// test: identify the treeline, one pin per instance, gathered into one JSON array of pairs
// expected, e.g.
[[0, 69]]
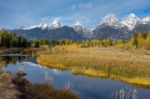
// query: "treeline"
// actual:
[[137, 41], [8, 40], [43, 41], [140, 40]]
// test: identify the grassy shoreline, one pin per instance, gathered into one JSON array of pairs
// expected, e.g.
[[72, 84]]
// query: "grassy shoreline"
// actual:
[[129, 66], [14, 86]]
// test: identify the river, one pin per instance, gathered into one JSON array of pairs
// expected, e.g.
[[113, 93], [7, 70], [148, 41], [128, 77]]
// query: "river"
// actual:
[[82, 85]]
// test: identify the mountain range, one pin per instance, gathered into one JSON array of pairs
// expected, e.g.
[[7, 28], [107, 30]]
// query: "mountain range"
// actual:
[[110, 27]]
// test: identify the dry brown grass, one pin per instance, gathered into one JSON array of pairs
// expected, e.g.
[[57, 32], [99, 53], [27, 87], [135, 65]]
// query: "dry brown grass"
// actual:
[[132, 66]]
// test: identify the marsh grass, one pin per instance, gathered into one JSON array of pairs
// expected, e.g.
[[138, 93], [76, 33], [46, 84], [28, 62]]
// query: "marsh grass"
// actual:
[[45, 91], [128, 65], [125, 94]]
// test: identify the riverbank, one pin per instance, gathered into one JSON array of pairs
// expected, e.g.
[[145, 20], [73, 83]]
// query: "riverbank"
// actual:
[[16, 87], [132, 66], [19, 50], [16, 51], [8, 90], [10, 50]]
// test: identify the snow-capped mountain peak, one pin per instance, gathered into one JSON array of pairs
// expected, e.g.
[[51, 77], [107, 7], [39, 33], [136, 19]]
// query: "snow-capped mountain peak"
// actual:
[[77, 24], [131, 21], [146, 19], [87, 33], [78, 27], [41, 25], [132, 15], [111, 20], [55, 24]]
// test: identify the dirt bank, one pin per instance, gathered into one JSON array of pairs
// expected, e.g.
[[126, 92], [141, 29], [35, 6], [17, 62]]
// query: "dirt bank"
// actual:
[[7, 89]]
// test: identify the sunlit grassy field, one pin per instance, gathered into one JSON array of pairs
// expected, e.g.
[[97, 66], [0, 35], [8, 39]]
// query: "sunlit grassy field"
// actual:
[[132, 66]]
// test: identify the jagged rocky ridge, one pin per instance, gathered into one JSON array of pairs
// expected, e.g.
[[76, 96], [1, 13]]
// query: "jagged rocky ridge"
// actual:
[[110, 27]]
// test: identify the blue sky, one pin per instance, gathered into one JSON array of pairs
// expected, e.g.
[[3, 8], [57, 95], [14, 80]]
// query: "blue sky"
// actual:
[[17, 13]]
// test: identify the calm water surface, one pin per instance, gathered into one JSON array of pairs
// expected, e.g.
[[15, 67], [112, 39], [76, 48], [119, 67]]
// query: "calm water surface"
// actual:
[[85, 87]]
